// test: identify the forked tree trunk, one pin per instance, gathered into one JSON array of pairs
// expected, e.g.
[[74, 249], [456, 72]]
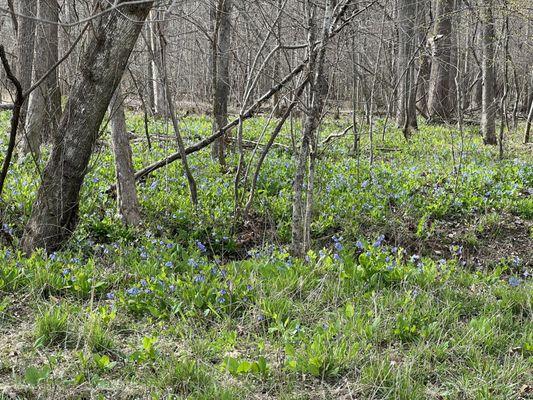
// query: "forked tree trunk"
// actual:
[[111, 40], [439, 101], [127, 201], [44, 109], [488, 104]]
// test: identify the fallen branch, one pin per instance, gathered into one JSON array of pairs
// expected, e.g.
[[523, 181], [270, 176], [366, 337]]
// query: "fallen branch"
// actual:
[[336, 135], [210, 139]]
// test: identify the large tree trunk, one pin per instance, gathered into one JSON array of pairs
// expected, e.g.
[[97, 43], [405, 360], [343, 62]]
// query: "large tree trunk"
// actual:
[[406, 112], [44, 109], [439, 101], [220, 65], [55, 211], [127, 201], [25, 46], [488, 104]]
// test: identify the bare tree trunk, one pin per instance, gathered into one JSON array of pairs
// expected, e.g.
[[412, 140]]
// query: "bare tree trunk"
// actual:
[[439, 101], [220, 64], [25, 46], [156, 29], [488, 105], [127, 201], [302, 208], [528, 123], [44, 109], [111, 40], [406, 112]]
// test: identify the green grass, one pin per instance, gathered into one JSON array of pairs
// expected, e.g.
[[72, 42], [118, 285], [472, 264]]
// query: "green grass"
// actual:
[[439, 308]]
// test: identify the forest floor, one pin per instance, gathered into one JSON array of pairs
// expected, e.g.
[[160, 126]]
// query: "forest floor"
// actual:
[[418, 286]]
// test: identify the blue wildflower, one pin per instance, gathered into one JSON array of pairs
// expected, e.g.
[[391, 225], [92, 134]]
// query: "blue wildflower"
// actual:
[[169, 264], [514, 281], [201, 246], [133, 291], [110, 296], [199, 278], [360, 245]]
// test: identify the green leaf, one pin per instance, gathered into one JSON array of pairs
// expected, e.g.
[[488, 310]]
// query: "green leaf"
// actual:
[[349, 311]]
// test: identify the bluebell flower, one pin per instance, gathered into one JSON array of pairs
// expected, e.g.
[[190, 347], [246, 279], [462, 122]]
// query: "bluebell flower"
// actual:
[[221, 300], [53, 256], [96, 180], [201, 246], [249, 287], [379, 241], [336, 257], [338, 246], [169, 264], [223, 292], [110, 296], [143, 283], [360, 245], [144, 255], [147, 291], [172, 288], [65, 272], [133, 291], [514, 281], [364, 184], [199, 278], [193, 263]]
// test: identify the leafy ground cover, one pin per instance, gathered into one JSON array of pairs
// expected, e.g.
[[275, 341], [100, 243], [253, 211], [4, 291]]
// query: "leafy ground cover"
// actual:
[[418, 286]]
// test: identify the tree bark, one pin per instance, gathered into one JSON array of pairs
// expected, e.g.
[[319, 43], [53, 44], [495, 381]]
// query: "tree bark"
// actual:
[[406, 113], [220, 65], [302, 206], [439, 101], [44, 109], [25, 47], [111, 40], [528, 123], [127, 201], [160, 106], [488, 103]]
